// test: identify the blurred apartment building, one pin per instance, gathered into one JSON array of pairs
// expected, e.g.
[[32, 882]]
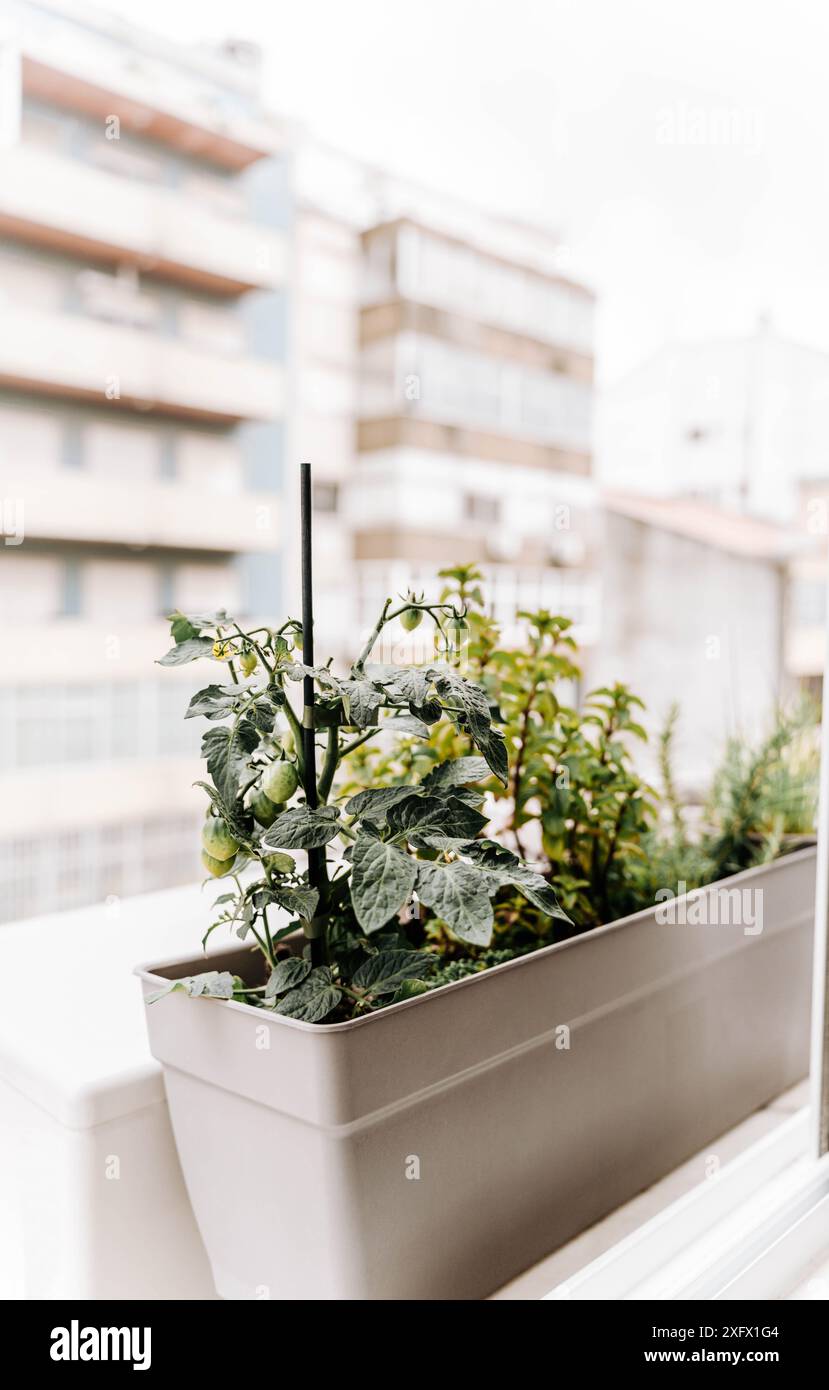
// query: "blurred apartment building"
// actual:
[[144, 216], [195, 297], [740, 425], [444, 390]]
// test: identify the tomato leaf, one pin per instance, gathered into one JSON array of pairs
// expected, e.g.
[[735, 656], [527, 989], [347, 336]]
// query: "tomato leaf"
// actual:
[[303, 827], [374, 802], [314, 999], [361, 701], [458, 893], [226, 751], [506, 868], [287, 974], [408, 683], [214, 702], [388, 970], [302, 902], [213, 984], [189, 650], [435, 822], [456, 772], [382, 880], [475, 716]]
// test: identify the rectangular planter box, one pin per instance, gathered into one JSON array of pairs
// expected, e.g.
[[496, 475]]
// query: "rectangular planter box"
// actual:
[[439, 1147]]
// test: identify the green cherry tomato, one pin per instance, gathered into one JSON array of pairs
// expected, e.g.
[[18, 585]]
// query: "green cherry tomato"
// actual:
[[410, 989], [280, 863], [410, 618], [217, 867], [279, 781], [264, 810], [217, 840], [458, 631], [248, 663]]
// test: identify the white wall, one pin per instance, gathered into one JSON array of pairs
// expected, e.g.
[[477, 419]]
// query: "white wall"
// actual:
[[739, 421], [683, 621]]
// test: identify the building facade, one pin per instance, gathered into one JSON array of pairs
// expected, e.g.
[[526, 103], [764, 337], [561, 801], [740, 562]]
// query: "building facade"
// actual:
[[195, 297], [458, 382], [144, 234], [743, 424], [693, 614]]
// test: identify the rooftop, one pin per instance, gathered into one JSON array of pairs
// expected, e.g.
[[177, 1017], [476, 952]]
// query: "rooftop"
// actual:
[[708, 524]]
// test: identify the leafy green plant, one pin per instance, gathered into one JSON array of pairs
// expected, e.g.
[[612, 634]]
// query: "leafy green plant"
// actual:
[[763, 795], [417, 837], [574, 802], [763, 802]]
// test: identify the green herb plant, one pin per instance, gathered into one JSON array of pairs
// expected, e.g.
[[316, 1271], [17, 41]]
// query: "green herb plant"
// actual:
[[574, 802]]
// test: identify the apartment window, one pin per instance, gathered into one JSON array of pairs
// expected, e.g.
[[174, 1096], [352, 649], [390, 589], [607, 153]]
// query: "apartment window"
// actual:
[[808, 602], [166, 588], [167, 459], [94, 723], [113, 156], [82, 866], [122, 453], [42, 129], [214, 327], [117, 298], [30, 284], [481, 509], [27, 438], [472, 388], [209, 462], [326, 496], [71, 591], [219, 195], [72, 445]]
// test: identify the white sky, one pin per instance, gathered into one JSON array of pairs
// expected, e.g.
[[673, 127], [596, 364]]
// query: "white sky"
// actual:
[[560, 110]]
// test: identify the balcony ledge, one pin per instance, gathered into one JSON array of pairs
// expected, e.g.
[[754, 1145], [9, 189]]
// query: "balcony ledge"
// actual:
[[84, 211], [70, 355]]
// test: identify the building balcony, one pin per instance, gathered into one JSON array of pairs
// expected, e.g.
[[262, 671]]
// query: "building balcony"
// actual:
[[84, 211], [99, 78], [71, 356], [92, 794], [69, 505], [72, 651]]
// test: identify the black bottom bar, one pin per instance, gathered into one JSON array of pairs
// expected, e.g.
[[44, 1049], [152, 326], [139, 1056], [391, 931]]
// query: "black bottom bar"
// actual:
[[235, 1337]]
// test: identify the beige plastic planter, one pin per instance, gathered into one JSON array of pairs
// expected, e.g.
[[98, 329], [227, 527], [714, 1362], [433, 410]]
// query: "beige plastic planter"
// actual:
[[437, 1148]]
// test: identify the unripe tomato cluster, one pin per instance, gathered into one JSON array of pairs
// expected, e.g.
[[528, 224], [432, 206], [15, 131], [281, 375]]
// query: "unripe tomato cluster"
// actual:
[[218, 846], [279, 782], [277, 785]]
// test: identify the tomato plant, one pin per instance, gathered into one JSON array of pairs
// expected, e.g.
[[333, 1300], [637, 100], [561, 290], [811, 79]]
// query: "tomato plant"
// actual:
[[394, 857]]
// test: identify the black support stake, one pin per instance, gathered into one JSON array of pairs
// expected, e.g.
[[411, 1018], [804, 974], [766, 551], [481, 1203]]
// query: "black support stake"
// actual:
[[316, 857]]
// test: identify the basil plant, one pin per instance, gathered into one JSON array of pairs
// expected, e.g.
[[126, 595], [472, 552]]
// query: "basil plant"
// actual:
[[405, 875]]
